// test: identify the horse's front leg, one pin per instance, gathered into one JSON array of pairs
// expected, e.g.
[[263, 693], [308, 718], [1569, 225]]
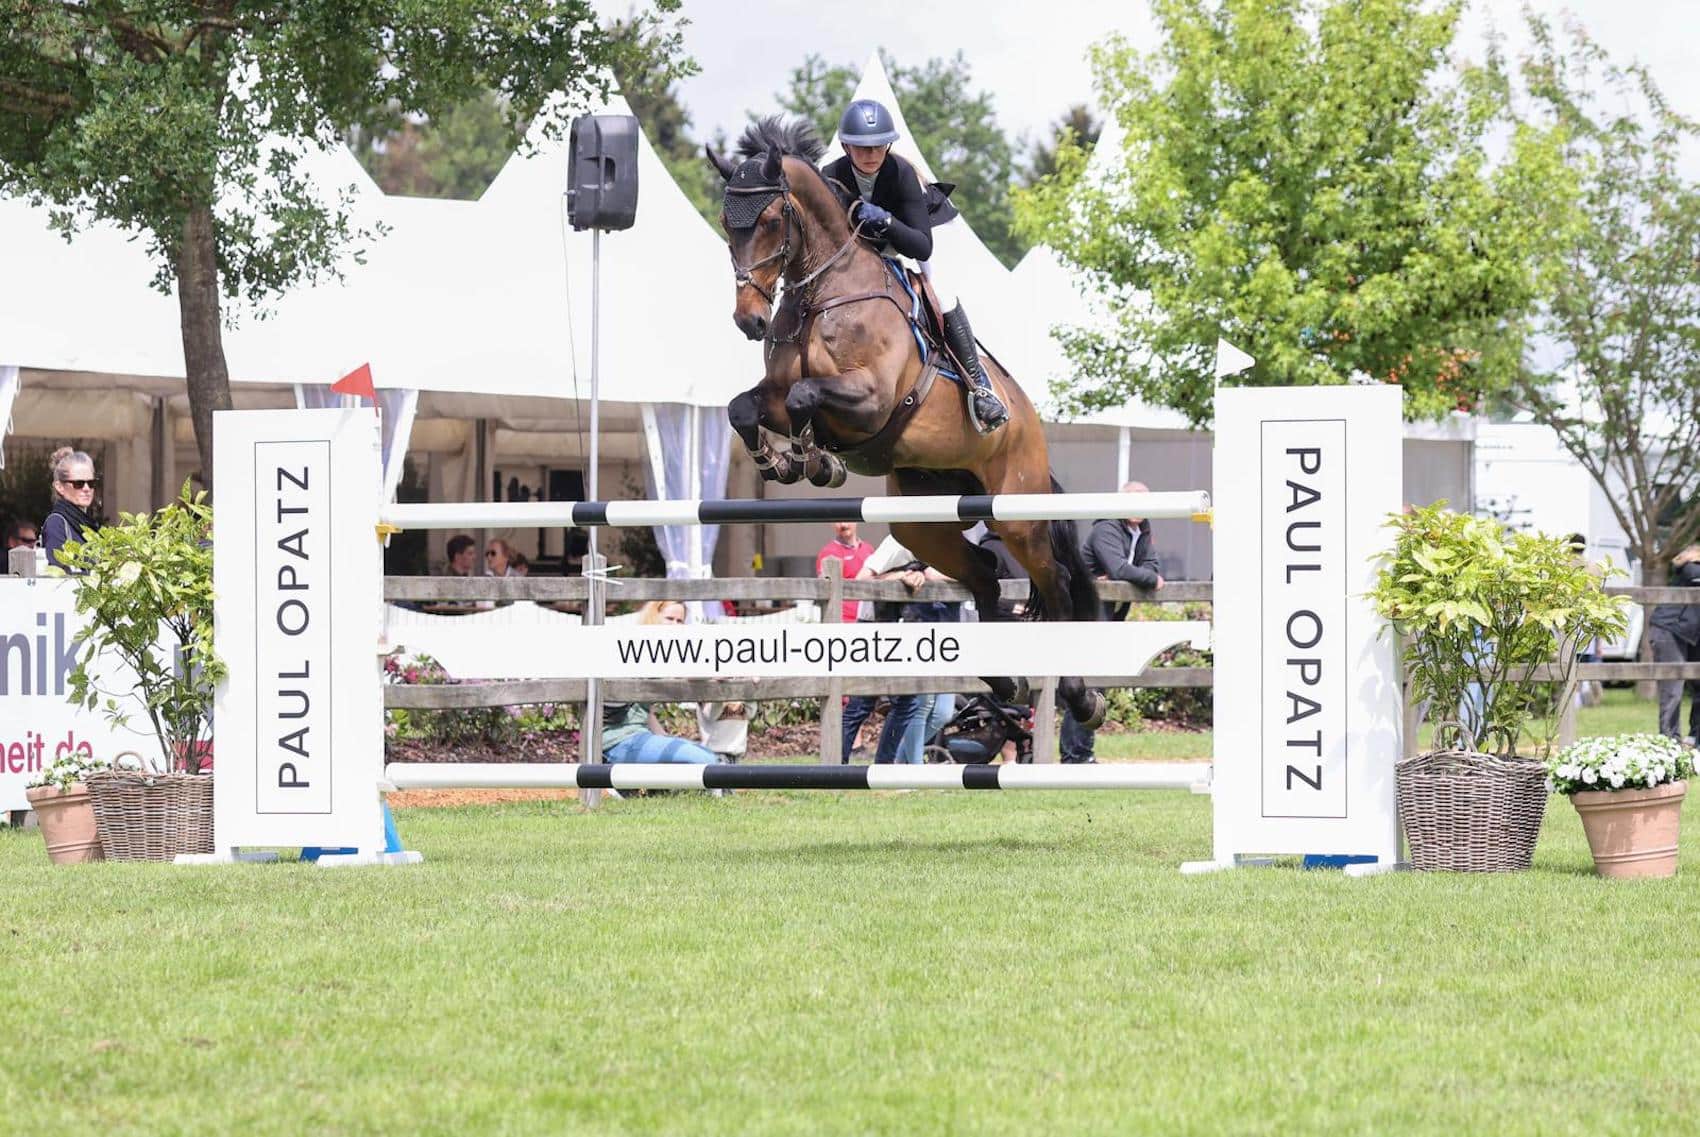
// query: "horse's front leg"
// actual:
[[745, 413], [839, 405]]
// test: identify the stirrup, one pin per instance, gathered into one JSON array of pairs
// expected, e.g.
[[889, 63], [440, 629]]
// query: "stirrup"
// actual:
[[995, 414]]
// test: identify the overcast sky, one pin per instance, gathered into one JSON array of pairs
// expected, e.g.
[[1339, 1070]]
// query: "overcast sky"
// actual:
[[1030, 54]]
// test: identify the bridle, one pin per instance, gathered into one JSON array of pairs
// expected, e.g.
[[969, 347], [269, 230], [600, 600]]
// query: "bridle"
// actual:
[[744, 274]]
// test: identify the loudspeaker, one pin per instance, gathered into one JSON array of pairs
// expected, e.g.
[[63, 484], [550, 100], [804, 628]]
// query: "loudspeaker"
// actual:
[[602, 171]]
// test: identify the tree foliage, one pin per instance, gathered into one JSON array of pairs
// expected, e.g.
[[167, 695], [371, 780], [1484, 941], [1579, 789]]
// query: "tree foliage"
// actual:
[[1307, 180], [954, 125], [648, 74], [1079, 128], [456, 155], [164, 117], [1620, 288]]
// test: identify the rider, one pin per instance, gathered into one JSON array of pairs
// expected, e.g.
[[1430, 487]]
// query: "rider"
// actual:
[[896, 212]]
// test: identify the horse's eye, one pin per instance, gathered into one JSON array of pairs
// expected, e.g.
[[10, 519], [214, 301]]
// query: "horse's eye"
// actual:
[[769, 222]]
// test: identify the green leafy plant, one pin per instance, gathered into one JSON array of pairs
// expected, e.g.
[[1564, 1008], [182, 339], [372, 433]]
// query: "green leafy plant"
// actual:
[[461, 726], [1619, 762], [1476, 608], [145, 585]]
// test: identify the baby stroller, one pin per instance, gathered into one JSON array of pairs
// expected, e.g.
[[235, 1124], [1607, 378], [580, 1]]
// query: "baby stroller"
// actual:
[[978, 731]]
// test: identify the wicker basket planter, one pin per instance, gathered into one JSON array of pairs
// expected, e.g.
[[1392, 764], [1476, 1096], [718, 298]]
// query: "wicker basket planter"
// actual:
[[1469, 812], [145, 816]]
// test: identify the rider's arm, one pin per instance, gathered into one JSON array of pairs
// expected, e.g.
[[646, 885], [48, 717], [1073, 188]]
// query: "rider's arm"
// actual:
[[911, 229]]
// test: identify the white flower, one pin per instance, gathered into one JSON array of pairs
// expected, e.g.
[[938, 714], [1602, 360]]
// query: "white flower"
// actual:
[[1589, 776]]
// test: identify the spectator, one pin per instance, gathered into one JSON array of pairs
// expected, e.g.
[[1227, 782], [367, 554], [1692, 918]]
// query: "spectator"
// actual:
[[72, 515], [725, 728], [1008, 568], [21, 535], [518, 565], [461, 550], [498, 559], [630, 731], [1675, 632], [846, 547], [1116, 549], [912, 719]]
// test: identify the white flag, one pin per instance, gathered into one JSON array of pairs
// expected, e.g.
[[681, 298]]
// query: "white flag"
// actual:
[[1230, 360]]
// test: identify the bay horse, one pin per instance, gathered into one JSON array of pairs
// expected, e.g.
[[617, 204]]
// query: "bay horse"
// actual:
[[846, 386]]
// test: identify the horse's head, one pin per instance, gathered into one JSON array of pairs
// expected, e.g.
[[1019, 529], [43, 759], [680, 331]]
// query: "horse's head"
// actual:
[[763, 220], [761, 232]]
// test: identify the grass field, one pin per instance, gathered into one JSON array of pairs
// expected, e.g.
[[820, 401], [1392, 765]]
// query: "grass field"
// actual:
[[790, 963]]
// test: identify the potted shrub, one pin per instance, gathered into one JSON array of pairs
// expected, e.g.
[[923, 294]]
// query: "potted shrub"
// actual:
[[60, 797], [1476, 608], [1628, 789], [145, 586]]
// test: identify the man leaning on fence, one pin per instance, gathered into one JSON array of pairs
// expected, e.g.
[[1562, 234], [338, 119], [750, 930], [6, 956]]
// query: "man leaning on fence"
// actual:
[[1675, 633]]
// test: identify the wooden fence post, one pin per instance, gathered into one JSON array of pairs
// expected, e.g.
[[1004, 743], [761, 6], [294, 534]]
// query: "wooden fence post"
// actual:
[[1045, 721], [832, 706]]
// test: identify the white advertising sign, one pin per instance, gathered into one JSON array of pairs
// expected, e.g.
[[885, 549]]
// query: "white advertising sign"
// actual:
[[1304, 481], [297, 579], [38, 630]]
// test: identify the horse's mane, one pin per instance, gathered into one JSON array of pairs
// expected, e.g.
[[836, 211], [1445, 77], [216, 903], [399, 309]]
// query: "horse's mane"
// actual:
[[796, 137]]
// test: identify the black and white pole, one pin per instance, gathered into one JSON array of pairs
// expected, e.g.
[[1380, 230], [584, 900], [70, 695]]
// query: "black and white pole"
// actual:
[[658, 776]]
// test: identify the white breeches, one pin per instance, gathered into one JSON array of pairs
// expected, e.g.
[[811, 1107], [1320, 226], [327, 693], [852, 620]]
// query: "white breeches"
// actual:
[[942, 278]]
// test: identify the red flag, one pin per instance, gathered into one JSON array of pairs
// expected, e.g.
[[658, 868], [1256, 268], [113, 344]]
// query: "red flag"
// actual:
[[357, 382]]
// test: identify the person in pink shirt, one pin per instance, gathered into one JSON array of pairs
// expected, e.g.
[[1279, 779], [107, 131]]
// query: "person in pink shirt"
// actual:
[[847, 547]]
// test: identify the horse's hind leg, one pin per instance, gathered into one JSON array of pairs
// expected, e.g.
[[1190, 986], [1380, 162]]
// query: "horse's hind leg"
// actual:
[[1037, 545], [942, 546]]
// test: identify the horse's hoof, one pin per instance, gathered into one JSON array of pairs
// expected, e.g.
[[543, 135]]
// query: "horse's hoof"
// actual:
[[1097, 706], [829, 473], [785, 471]]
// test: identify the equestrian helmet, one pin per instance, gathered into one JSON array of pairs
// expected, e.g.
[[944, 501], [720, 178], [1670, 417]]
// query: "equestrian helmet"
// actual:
[[867, 123]]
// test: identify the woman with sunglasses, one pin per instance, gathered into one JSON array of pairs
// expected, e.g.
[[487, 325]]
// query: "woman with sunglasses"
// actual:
[[72, 516]]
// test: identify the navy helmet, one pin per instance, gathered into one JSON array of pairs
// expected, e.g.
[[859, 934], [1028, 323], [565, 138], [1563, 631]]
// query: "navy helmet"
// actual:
[[867, 123]]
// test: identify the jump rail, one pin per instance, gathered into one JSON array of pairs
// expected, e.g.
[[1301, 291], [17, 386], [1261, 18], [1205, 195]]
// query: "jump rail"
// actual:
[[634, 776], [1187, 504]]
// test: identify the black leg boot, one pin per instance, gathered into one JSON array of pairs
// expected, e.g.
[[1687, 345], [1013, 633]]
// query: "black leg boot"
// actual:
[[985, 410]]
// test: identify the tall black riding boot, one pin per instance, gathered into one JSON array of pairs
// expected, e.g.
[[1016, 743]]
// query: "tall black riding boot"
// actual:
[[985, 410]]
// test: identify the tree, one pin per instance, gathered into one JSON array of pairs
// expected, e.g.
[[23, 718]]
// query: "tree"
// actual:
[[651, 89], [456, 155], [1619, 290], [1079, 127], [1302, 178], [161, 117], [954, 126]]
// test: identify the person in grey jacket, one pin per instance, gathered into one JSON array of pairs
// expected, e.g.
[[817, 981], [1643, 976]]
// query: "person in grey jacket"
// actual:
[[1116, 549], [1675, 632]]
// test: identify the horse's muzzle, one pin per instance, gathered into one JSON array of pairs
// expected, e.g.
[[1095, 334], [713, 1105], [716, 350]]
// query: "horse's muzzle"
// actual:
[[752, 324]]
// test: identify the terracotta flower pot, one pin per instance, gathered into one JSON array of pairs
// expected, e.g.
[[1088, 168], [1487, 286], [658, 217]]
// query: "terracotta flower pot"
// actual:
[[1633, 832], [67, 823]]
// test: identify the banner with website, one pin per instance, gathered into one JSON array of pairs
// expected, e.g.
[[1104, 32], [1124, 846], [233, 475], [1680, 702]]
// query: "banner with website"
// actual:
[[39, 627]]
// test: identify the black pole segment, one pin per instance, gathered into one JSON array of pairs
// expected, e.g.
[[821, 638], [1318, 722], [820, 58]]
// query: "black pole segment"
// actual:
[[588, 514], [781, 509], [729, 777], [595, 776], [974, 507], [978, 777]]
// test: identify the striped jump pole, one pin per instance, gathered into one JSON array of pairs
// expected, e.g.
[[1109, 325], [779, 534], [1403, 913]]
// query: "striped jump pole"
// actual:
[[1191, 505], [658, 776]]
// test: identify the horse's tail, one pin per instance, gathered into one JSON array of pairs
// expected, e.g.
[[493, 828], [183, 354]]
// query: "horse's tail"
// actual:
[[1076, 578]]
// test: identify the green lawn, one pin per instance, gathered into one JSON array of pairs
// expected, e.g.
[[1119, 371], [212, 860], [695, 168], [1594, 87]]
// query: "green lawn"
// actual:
[[860, 964]]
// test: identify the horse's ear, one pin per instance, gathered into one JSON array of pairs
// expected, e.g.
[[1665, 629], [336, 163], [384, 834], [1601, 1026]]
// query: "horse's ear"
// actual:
[[773, 167], [724, 165]]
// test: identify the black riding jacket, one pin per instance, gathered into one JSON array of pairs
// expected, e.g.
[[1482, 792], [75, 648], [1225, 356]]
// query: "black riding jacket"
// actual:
[[898, 188]]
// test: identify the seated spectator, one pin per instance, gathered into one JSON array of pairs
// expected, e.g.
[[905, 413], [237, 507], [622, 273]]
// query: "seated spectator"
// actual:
[[631, 732], [21, 535], [518, 565], [72, 516], [725, 728], [461, 550]]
